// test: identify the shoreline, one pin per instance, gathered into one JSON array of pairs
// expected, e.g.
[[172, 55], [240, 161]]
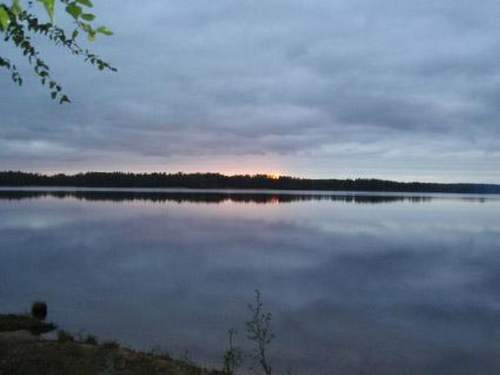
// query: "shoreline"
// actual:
[[24, 350], [219, 181], [233, 191]]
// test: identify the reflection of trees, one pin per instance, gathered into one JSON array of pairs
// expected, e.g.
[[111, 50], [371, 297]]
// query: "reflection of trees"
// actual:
[[209, 197]]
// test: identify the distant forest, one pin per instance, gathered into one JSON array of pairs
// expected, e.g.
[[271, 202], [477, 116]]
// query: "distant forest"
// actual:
[[219, 181]]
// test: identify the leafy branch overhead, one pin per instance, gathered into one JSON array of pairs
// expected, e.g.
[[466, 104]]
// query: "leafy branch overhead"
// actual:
[[19, 22]]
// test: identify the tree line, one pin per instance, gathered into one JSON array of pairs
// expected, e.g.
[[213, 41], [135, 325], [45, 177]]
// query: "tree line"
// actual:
[[219, 181]]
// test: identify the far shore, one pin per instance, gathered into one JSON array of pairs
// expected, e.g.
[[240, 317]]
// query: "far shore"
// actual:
[[217, 181]]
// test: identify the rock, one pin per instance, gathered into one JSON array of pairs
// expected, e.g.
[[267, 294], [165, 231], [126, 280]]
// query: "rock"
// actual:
[[39, 310]]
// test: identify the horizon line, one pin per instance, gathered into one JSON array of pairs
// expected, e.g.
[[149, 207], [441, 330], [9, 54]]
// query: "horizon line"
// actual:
[[271, 176]]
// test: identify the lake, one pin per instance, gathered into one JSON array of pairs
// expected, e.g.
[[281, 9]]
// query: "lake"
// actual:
[[357, 283]]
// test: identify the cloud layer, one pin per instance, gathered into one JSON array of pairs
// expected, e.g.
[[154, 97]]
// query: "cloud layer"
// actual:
[[392, 89]]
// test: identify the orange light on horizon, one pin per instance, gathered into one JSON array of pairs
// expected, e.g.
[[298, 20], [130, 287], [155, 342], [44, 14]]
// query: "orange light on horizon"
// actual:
[[273, 176]]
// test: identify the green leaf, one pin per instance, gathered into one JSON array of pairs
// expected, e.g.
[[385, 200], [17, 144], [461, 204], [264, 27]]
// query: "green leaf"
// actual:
[[4, 19], [91, 36], [88, 17], [104, 30], [85, 27], [74, 10], [16, 7], [49, 7], [87, 3]]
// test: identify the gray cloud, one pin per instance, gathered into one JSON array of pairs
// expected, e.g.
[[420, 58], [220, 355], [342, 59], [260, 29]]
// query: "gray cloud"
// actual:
[[391, 89]]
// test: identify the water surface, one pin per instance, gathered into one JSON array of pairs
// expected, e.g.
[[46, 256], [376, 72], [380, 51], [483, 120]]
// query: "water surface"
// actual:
[[357, 283]]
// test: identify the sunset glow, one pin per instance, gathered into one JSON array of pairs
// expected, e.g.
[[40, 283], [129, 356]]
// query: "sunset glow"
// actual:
[[273, 176]]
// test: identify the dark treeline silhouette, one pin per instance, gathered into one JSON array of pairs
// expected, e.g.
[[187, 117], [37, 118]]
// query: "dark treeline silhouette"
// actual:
[[219, 181], [205, 197]]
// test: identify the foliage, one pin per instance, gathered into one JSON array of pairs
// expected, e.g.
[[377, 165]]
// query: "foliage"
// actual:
[[19, 23], [233, 356], [64, 337], [11, 323], [219, 181], [90, 340], [157, 351], [110, 344], [259, 331]]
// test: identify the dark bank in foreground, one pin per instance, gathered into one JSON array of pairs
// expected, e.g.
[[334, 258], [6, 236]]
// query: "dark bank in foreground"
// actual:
[[28, 346], [23, 351], [219, 181]]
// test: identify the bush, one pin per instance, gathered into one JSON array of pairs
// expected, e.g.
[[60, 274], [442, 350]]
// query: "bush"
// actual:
[[110, 345], [90, 340], [233, 356], [39, 310], [259, 331], [11, 322], [63, 336]]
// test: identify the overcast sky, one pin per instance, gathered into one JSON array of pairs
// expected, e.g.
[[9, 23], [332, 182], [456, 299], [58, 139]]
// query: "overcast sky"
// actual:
[[406, 90]]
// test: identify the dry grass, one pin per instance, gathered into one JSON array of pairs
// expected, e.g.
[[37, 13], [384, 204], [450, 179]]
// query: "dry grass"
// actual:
[[57, 358]]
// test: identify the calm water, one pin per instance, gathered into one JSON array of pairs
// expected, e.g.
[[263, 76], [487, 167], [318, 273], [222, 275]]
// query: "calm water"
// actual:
[[362, 284]]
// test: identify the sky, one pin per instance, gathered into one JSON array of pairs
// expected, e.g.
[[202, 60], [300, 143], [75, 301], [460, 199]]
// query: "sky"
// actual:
[[395, 89]]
